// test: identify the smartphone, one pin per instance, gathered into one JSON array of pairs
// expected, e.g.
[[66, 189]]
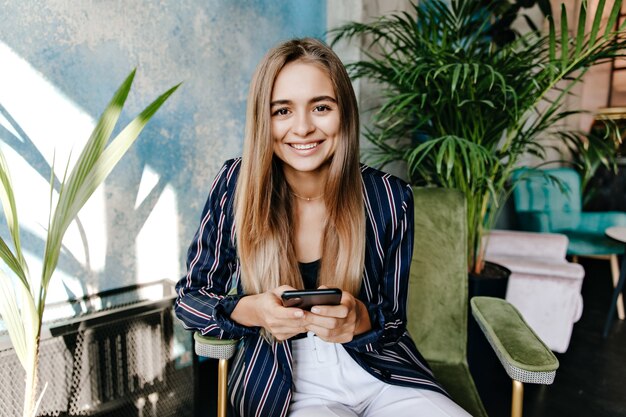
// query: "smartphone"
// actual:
[[305, 299]]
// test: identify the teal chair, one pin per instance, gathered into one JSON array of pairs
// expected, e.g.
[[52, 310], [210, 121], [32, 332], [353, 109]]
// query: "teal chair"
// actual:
[[543, 205], [438, 309]]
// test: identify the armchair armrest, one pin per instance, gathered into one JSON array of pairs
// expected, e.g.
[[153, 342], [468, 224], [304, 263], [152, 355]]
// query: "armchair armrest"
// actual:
[[522, 353], [222, 349], [539, 267], [528, 244], [214, 348], [598, 221]]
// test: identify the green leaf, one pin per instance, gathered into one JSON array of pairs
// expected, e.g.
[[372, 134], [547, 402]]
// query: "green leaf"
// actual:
[[16, 262], [597, 20], [12, 262], [564, 38], [580, 35], [95, 143], [552, 39], [19, 322], [100, 165], [613, 16], [455, 77]]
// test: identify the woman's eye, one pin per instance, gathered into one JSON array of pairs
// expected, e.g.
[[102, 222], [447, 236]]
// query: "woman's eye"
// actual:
[[321, 108], [281, 112]]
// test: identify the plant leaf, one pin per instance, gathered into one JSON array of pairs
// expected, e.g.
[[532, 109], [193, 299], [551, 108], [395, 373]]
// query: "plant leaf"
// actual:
[[610, 24], [12, 262], [580, 35], [552, 39], [99, 164], [564, 38], [12, 316], [16, 262], [597, 20]]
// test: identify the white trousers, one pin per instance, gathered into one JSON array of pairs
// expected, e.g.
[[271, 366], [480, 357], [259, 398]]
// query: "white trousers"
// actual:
[[328, 382]]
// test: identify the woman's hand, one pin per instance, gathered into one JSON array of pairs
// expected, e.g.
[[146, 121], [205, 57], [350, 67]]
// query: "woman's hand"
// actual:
[[340, 323], [266, 310]]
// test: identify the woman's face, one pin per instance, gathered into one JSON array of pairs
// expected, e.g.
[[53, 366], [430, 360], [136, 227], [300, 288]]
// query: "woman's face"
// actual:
[[305, 118]]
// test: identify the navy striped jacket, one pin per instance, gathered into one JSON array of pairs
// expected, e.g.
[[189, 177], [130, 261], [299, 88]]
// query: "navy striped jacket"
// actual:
[[260, 378]]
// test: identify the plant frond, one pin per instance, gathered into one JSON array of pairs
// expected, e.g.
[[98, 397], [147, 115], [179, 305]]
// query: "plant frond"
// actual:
[[7, 198], [580, 33], [95, 167], [564, 38], [597, 20], [21, 321], [610, 24]]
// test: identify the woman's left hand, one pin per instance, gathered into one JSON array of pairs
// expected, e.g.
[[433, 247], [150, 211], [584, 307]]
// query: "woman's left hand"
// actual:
[[338, 323]]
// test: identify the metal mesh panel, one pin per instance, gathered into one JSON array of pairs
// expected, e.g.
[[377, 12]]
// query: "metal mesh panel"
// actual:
[[130, 366], [56, 372]]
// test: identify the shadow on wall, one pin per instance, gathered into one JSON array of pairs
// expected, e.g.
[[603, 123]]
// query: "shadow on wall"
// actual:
[[62, 62]]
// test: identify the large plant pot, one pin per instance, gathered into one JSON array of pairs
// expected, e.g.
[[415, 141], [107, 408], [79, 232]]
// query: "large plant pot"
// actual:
[[492, 282], [484, 364]]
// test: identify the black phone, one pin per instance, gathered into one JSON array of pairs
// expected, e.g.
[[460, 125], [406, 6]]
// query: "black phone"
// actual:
[[305, 299]]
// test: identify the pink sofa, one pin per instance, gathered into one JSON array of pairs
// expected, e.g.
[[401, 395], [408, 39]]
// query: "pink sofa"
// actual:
[[544, 286]]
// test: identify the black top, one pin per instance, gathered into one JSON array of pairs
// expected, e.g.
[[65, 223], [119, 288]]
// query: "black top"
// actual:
[[309, 272]]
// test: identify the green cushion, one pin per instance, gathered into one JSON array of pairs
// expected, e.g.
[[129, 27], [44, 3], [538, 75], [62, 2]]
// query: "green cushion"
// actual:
[[520, 350], [457, 380], [212, 347], [214, 341], [437, 303]]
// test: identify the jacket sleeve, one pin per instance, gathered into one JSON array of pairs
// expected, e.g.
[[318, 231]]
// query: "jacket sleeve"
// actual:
[[388, 313], [203, 303]]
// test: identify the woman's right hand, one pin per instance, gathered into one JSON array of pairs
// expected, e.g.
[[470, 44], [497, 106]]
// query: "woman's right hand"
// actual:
[[266, 310]]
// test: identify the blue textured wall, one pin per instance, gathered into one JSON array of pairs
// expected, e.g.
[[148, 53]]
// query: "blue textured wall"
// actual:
[[75, 54]]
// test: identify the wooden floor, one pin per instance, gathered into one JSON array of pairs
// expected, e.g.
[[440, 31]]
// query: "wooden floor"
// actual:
[[591, 379]]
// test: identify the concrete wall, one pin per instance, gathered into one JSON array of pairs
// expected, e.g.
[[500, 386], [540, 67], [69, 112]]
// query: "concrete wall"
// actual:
[[61, 61]]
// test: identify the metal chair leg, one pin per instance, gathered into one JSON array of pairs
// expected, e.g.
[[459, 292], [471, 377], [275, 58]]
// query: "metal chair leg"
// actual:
[[617, 292], [222, 388], [615, 275], [518, 399]]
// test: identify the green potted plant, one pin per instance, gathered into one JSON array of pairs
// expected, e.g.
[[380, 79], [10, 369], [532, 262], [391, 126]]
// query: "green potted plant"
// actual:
[[461, 110], [22, 299]]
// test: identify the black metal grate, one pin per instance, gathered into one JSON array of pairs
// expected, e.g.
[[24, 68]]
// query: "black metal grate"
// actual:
[[132, 364]]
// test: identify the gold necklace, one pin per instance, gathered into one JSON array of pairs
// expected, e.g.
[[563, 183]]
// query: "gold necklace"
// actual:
[[308, 198]]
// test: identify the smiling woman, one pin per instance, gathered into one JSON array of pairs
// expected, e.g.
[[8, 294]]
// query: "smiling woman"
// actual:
[[305, 126], [298, 211]]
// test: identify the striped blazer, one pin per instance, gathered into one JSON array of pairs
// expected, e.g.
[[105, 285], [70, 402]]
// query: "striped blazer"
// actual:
[[260, 377]]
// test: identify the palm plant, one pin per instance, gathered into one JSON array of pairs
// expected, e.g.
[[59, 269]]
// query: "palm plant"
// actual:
[[590, 151], [22, 299], [460, 110]]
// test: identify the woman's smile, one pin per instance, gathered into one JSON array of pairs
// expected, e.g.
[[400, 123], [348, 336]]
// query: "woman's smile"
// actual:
[[304, 146]]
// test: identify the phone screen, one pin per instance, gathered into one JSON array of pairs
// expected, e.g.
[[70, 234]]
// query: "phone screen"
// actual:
[[306, 299]]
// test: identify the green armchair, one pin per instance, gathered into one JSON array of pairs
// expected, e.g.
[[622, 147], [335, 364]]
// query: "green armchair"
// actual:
[[438, 309], [541, 206]]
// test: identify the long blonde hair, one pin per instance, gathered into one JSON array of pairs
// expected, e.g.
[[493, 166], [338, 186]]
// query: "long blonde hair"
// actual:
[[264, 214]]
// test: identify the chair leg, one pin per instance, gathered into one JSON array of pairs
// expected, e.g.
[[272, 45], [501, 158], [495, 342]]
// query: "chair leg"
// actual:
[[518, 399], [615, 275], [222, 388]]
